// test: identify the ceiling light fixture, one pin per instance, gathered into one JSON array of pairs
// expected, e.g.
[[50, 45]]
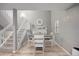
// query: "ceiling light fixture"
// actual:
[[22, 15]]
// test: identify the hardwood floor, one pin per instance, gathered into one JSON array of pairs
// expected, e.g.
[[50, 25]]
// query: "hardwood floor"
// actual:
[[29, 51]]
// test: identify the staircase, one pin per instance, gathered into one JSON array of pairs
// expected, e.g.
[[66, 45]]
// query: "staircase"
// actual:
[[8, 45], [7, 37], [21, 32]]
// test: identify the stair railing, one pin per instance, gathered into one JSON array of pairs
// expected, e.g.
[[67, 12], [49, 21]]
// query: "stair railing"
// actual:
[[6, 39], [2, 32], [22, 27]]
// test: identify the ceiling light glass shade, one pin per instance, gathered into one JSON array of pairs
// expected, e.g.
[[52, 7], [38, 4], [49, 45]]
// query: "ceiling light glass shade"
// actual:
[[22, 15]]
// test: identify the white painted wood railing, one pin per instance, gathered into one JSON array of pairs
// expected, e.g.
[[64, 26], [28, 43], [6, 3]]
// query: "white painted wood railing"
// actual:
[[2, 32], [21, 35], [6, 39]]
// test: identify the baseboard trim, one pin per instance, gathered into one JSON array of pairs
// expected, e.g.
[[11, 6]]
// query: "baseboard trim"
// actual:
[[63, 49]]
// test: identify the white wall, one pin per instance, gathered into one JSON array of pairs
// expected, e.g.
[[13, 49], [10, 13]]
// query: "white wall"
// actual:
[[3, 21], [6, 17], [68, 36], [35, 6], [32, 16]]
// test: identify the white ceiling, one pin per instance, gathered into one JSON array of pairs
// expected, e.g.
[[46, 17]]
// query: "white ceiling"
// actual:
[[35, 6]]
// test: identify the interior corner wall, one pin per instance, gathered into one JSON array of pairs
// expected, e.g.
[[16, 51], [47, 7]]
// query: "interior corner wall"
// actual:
[[68, 36]]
